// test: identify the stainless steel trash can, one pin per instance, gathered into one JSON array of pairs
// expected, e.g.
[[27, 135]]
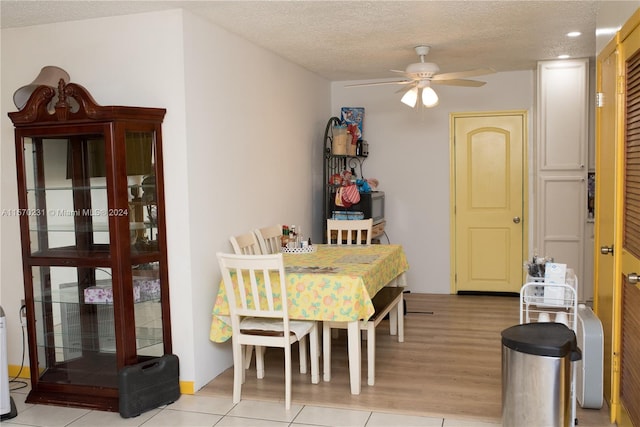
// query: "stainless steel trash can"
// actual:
[[536, 375]]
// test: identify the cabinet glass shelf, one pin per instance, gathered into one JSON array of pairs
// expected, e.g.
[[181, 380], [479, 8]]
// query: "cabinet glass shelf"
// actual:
[[70, 296], [70, 228], [72, 345], [66, 188], [77, 187], [95, 227]]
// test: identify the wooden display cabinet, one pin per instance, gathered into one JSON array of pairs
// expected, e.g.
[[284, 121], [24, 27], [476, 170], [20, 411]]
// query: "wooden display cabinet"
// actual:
[[92, 223]]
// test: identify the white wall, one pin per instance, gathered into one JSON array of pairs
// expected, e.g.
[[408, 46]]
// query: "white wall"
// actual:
[[254, 126], [409, 155], [234, 136]]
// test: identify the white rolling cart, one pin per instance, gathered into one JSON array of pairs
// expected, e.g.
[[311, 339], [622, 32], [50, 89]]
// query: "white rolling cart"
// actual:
[[552, 302]]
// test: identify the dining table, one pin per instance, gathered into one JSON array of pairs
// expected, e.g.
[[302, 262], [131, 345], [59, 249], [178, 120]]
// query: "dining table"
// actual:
[[330, 283]]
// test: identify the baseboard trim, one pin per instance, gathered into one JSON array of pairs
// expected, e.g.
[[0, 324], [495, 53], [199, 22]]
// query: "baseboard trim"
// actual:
[[14, 370], [186, 387], [490, 294]]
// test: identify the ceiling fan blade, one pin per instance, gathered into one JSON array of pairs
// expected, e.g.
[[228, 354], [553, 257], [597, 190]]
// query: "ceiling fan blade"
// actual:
[[464, 74], [395, 82], [406, 88], [459, 82], [404, 73]]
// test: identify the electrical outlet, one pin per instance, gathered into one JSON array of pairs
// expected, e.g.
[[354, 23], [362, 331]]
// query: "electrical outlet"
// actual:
[[23, 313]]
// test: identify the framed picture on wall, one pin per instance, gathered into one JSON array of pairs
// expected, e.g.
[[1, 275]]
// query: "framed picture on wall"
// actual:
[[354, 115]]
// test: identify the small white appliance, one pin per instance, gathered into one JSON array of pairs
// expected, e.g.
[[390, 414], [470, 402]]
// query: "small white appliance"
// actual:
[[590, 339], [7, 406]]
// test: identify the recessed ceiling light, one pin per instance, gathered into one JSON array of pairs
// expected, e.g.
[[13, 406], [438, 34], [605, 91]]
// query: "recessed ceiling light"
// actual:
[[574, 34], [563, 56]]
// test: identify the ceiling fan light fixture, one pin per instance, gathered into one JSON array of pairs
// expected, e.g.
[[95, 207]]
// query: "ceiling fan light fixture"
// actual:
[[417, 79], [429, 97], [422, 69], [410, 98]]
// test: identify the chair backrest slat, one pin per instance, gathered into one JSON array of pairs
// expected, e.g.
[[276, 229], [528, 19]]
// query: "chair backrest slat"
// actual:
[[260, 300], [243, 296], [268, 290]]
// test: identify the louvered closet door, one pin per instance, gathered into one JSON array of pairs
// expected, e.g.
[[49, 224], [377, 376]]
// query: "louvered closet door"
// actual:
[[630, 257]]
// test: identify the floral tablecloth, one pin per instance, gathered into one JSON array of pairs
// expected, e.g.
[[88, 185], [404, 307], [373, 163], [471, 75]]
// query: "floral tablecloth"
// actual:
[[333, 283]]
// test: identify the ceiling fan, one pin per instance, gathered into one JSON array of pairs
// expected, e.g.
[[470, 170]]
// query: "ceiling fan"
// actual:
[[420, 75]]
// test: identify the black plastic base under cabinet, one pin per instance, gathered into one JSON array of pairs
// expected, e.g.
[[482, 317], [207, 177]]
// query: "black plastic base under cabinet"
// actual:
[[148, 385]]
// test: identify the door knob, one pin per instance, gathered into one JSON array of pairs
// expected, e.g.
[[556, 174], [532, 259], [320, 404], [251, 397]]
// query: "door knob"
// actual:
[[632, 278], [606, 250], [516, 219]]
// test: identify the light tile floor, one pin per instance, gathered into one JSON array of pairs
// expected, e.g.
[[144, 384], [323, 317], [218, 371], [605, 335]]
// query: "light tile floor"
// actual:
[[198, 410]]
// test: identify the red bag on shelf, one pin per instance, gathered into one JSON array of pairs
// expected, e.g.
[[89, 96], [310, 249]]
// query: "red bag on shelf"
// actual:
[[350, 195]]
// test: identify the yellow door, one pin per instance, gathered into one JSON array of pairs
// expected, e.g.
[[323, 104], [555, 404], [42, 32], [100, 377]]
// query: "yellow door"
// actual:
[[627, 329], [605, 203], [488, 202]]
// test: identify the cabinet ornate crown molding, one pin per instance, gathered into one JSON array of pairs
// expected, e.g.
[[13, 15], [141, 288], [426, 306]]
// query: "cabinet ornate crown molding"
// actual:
[[37, 110]]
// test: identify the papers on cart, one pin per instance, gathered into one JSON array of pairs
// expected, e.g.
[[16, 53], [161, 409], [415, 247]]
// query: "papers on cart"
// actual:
[[554, 274], [558, 289]]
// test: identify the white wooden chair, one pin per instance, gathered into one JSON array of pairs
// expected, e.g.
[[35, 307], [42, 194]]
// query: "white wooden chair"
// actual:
[[389, 300], [256, 321], [269, 238], [349, 231], [250, 244], [246, 244]]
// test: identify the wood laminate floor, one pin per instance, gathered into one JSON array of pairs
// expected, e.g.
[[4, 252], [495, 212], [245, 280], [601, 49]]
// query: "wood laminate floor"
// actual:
[[448, 366]]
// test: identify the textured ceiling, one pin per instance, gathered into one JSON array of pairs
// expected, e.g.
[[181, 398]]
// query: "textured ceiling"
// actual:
[[361, 40]]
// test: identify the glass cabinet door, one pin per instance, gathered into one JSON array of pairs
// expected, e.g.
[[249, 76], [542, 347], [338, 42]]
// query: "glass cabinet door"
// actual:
[[66, 195], [75, 330], [69, 243], [148, 310], [143, 232], [143, 199]]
